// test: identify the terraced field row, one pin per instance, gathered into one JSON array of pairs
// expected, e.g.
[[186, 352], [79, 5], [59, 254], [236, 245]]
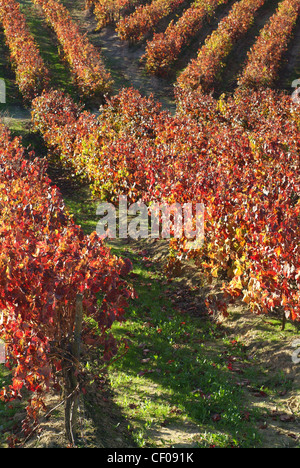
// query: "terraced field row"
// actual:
[[168, 28], [87, 70], [221, 26]]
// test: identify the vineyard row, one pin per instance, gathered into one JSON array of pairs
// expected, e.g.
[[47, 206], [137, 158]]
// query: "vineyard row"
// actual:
[[162, 51], [239, 157], [45, 263], [32, 75], [84, 60], [203, 71], [265, 57]]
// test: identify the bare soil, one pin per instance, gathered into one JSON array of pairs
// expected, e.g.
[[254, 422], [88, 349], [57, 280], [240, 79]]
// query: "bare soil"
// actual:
[[102, 423], [121, 59]]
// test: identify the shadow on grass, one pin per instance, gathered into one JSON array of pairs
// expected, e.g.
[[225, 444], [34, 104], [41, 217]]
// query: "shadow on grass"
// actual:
[[110, 427], [177, 371]]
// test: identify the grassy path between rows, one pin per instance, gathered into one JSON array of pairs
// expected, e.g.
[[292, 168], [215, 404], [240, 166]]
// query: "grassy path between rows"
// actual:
[[185, 380], [188, 380]]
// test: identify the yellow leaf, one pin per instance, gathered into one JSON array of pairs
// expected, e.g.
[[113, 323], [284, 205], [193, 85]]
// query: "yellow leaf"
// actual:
[[215, 272]]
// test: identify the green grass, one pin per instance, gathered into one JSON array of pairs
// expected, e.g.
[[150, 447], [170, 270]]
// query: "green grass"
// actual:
[[176, 371], [49, 48], [177, 375], [181, 373], [83, 208], [8, 412]]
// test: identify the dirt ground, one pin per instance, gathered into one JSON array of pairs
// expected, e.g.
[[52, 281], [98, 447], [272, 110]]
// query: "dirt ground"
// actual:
[[102, 423], [121, 59], [107, 427], [281, 425]]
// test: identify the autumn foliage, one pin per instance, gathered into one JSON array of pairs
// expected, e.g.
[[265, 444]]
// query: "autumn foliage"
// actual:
[[45, 261], [238, 156], [85, 62], [203, 71], [163, 50], [265, 58], [111, 11], [32, 75], [135, 26]]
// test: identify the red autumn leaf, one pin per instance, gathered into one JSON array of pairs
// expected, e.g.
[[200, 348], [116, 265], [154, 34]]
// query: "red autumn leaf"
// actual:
[[17, 384], [48, 260]]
